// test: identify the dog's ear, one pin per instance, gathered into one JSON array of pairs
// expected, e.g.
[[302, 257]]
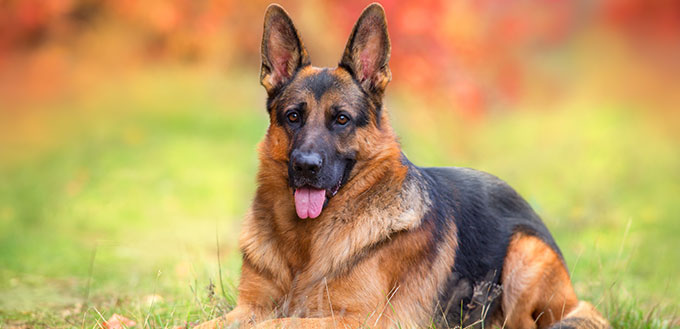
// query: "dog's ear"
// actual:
[[368, 50], [283, 52]]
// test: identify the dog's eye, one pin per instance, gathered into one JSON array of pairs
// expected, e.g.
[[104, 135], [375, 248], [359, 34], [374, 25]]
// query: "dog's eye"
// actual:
[[342, 119], [293, 116]]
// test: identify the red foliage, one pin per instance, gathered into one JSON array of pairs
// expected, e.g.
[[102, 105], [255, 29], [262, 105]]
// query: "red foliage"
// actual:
[[470, 52], [474, 54]]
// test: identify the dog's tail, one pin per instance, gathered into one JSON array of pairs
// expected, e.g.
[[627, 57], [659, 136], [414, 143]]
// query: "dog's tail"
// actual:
[[584, 316]]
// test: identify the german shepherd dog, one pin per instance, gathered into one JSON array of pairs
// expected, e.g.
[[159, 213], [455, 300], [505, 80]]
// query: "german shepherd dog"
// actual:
[[344, 231]]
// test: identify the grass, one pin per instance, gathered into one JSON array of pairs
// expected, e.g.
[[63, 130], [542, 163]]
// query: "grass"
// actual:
[[128, 198]]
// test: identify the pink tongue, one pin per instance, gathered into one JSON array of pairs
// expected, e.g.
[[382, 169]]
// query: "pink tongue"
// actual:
[[309, 202]]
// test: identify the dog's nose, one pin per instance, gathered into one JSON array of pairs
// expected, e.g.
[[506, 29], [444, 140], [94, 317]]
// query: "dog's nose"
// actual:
[[306, 163]]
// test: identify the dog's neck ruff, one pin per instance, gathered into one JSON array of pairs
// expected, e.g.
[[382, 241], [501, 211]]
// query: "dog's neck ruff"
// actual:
[[349, 228]]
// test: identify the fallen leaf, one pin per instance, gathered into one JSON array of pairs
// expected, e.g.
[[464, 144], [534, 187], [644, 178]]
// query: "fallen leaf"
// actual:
[[117, 321]]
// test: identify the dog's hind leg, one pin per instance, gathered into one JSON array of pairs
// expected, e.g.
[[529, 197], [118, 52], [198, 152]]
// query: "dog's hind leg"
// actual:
[[537, 290]]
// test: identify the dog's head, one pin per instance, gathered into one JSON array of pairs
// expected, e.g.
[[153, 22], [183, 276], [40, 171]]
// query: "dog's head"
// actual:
[[325, 123]]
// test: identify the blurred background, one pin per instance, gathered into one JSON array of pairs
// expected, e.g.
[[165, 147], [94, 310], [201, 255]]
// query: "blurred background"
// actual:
[[128, 133]]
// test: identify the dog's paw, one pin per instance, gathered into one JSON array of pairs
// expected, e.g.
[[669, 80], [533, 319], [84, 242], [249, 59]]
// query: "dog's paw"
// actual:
[[212, 324], [297, 323], [222, 322]]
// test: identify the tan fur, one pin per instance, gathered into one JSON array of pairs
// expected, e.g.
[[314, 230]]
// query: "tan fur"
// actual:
[[369, 259]]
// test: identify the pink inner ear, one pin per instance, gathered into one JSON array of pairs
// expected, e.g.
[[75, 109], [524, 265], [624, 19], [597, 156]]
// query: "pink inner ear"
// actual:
[[369, 56], [280, 62], [280, 54]]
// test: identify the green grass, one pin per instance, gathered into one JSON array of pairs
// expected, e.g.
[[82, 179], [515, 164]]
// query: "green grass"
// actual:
[[132, 184]]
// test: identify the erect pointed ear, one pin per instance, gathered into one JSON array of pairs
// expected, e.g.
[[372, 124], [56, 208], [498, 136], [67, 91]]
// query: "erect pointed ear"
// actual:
[[368, 50], [282, 50]]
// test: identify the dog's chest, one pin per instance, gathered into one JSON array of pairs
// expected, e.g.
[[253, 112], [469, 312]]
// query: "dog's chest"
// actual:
[[360, 287]]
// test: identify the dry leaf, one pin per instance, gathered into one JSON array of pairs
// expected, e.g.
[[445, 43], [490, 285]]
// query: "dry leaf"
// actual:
[[118, 321]]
